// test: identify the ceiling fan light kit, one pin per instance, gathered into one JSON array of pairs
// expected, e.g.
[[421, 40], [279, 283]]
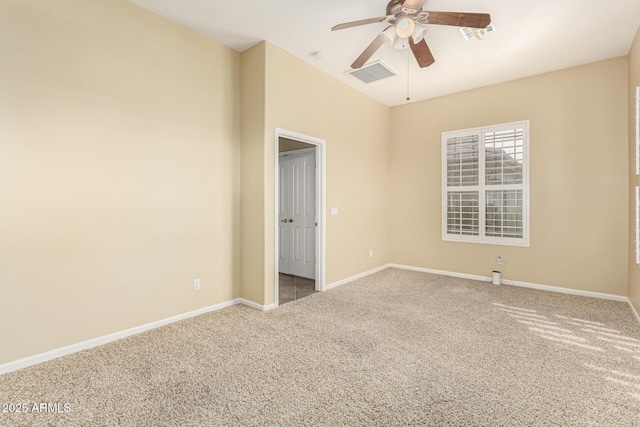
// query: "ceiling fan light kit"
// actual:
[[389, 35], [392, 38], [407, 19], [419, 33], [405, 27], [401, 43]]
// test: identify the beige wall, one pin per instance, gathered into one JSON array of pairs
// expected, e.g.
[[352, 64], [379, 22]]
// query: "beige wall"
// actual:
[[302, 99], [136, 156], [578, 178], [119, 171], [253, 116], [634, 80]]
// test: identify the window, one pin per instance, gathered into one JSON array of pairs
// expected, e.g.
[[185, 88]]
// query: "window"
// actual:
[[637, 225], [485, 191], [637, 130]]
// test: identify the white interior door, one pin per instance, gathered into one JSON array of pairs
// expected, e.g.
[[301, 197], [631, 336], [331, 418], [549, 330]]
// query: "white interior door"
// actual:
[[284, 246], [297, 214]]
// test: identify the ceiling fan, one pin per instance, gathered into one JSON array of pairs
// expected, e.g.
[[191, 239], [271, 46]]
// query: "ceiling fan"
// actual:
[[407, 19]]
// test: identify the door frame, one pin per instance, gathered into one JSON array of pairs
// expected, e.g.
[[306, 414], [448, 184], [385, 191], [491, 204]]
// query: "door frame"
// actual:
[[321, 197]]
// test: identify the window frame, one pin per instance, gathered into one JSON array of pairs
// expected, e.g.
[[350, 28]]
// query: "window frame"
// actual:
[[637, 225], [482, 187], [637, 122]]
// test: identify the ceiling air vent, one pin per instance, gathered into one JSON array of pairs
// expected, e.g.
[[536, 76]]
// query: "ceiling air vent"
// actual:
[[372, 72]]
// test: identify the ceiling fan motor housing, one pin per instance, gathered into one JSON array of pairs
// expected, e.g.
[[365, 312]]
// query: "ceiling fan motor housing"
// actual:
[[404, 19], [394, 7]]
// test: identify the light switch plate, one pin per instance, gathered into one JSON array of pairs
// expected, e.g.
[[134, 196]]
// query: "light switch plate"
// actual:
[[334, 211]]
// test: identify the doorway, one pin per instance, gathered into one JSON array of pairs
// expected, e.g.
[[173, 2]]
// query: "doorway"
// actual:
[[299, 203], [297, 212]]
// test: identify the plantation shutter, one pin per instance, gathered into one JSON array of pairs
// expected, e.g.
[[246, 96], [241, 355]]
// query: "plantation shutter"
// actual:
[[485, 189], [463, 185], [504, 158]]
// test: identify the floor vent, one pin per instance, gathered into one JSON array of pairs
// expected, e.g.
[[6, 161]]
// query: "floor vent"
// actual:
[[372, 72]]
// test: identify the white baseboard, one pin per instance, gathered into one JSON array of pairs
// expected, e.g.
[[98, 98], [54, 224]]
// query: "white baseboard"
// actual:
[[94, 342], [255, 305], [440, 272], [567, 290], [356, 277], [516, 283]]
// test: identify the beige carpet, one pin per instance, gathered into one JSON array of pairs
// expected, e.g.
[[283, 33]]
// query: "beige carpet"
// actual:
[[393, 349]]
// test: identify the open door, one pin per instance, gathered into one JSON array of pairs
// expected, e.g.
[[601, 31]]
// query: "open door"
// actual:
[[297, 216], [299, 209]]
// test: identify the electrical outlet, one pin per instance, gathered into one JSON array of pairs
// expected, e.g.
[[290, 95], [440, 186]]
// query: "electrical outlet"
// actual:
[[371, 253], [500, 260], [196, 285]]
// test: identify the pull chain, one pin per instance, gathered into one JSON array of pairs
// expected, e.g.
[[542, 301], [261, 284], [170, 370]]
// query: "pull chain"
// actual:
[[408, 61]]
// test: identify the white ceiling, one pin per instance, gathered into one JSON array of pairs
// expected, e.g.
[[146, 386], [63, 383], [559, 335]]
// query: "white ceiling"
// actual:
[[533, 37]]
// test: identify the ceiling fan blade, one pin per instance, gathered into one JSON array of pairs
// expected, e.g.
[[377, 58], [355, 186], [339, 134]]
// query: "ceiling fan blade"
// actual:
[[414, 4], [459, 19], [358, 23], [368, 53], [422, 53]]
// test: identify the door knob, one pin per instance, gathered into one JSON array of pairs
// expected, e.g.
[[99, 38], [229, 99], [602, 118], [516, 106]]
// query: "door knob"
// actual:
[[290, 220], [283, 220]]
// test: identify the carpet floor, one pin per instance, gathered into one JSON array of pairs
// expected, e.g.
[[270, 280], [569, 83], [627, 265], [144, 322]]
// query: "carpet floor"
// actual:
[[396, 348]]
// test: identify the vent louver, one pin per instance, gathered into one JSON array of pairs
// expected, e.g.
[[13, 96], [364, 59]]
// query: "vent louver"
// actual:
[[372, 72]]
